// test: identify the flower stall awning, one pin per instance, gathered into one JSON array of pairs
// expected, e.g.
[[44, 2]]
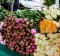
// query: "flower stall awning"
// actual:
[[31, 4]]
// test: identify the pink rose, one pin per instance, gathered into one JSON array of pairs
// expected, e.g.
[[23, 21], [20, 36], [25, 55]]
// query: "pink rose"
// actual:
[[33, 31], [19, 20]]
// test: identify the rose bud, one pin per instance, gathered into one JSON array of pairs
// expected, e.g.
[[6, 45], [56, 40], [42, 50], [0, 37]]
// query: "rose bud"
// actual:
[[17, 27], [12, 35], [27, 54], [25, 20], [27, 23], [4, 25], [10, 44], [14, 43], [24, 33], [26, 26], [31, 21], [22, 49], [30, 25], [21, 27], [30, 50], [9, 17], [27, 42], [27, 51], [9, 27], [33, 47], [20, 19], [33, 39], [17, 49], [23, 30], [29, 47], [27, 29], [13, 18], [24, 40], [13, 24], [23, 54], [26, 45], [21, 34], [20, 24], [15, 34], [27, 38], [17, 21], [31, 44], [8, 36], [30, 37]]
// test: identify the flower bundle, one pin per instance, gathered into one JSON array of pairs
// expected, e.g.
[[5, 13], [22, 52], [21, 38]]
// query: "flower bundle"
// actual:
[[51, 12], [47, 45], [47, 26], [19, 35]]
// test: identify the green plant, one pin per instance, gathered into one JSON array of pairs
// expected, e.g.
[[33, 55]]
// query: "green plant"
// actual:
[[49, 2], [3, 14]]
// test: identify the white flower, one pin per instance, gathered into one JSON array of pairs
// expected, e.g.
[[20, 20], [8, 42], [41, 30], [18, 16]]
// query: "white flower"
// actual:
[[58, 12], [51, 10], [46, 12], [53, 15], [56, 54], [37, 35], [48, 17], [36, 54], [53, 7]]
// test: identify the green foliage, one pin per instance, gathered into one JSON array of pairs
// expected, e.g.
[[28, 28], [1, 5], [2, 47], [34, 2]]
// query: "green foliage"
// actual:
[[28, 14], [49, 2], [35, 15], [3, 13]]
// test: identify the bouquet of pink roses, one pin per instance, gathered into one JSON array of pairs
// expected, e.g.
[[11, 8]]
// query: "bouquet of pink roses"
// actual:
[[19, 35]]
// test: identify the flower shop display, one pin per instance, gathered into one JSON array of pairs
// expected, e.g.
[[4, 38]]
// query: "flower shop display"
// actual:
[[32, 32], [18, 35]]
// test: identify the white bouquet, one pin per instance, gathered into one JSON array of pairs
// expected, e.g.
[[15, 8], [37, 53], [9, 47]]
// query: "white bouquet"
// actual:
[[46, 47], [51, 12]]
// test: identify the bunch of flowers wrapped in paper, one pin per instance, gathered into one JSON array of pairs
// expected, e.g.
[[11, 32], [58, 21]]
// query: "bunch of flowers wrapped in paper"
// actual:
[[20, 36]]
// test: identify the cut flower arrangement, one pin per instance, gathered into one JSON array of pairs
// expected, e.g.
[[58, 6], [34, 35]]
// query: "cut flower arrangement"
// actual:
[[21, 36], [52, 12], [47, 45]]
